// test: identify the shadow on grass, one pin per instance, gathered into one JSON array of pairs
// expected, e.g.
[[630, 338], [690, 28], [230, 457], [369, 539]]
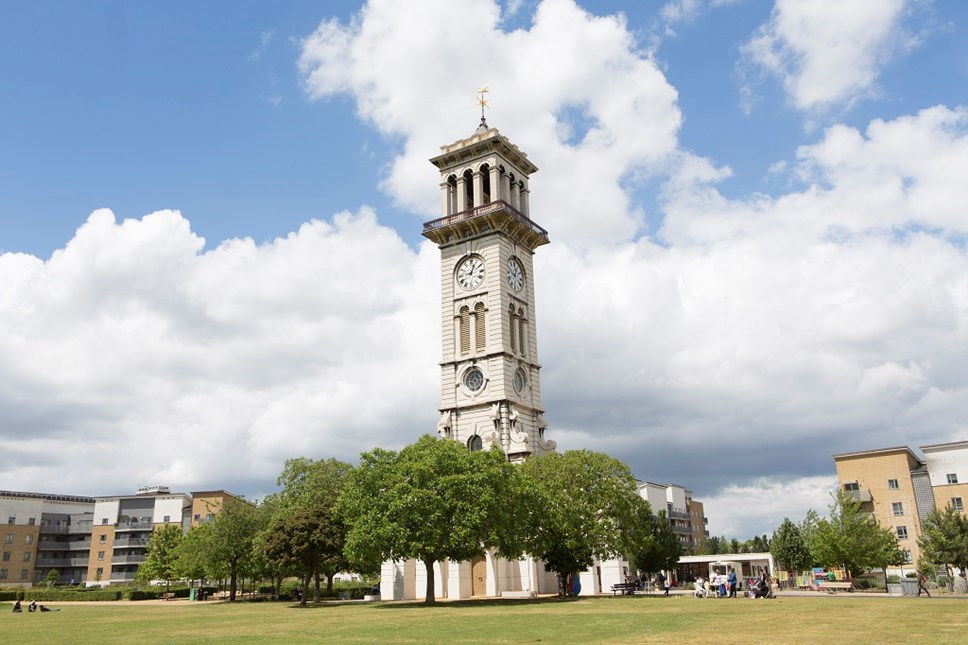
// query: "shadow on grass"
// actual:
[[465, 603]]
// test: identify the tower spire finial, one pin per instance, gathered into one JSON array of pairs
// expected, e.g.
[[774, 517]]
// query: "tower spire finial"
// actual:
[[482, 101]]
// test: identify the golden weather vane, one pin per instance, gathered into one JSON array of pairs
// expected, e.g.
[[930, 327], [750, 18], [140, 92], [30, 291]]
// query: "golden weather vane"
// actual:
[[481, 100]]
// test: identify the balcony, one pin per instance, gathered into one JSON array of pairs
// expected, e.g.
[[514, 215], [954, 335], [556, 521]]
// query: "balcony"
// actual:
[[128, 559], [80, 545], [134, 526], [52, 529], [677, 514], [495, 215], [682, 530], [57, 563], [53, 545], [863, 496], [124, 576], [83, 527], [126, 541]]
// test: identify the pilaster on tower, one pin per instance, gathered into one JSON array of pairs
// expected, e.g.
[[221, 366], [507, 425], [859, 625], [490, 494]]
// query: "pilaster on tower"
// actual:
[[490, 375]]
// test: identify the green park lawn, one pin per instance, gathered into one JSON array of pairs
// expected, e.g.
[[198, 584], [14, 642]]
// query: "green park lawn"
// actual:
[[826, 620]]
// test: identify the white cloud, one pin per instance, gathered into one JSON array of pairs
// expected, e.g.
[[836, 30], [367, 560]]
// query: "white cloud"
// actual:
[[751, 508], [572, 87], [186, 366], [829, 53]]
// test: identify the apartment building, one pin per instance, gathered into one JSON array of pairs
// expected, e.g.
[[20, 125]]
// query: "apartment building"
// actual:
[[44, 532], [685, 514], [901, 487]]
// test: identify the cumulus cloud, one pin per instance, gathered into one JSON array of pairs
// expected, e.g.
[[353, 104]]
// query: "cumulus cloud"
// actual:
[[572, 87], [828, 53], [177, 364]]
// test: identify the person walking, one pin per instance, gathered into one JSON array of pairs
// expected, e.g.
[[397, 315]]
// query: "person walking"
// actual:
[[922, 585], [731, 583]]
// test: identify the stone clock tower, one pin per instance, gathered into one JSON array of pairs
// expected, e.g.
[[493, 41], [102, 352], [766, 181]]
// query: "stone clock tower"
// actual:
[[490, 375]]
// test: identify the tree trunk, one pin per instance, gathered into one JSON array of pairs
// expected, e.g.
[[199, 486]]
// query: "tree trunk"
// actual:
[[316, 589], [305, 588], [431, 594], [329, 583], [277, 579], [234, 579]]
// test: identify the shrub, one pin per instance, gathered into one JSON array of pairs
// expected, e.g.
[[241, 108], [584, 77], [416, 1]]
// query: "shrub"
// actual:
[[11, 594], [71, 595], [893, 580]]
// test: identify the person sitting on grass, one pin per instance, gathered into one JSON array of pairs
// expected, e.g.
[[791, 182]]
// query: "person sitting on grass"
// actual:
[[17, 608]]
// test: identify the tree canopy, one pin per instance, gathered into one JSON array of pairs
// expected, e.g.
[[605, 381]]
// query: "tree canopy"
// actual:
[[161, 556], [944, 539], [660, 548], [434, 500], [853, 539], [789, 548], [582, 504]]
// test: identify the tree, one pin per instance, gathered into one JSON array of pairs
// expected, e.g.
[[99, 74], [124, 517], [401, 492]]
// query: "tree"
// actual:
[[161, 555], [789, 548], [51, 578], [309, 489], [661, 551], [585, 504], [228, 539], [944, 540], [309, 541], [433, 500], [852, 538]]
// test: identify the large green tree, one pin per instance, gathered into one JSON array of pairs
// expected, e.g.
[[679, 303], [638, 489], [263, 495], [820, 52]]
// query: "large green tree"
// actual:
[[852, 538], [309, 488], [944, 540], [789, 548], [661, 549], [583, 504], [229, 537], [434, 500], [161, 556]]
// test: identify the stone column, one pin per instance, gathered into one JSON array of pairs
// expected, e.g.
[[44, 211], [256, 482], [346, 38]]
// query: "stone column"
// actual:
[[515, 196], [495, 183], [478, 188], [445, 199], [461, 195]]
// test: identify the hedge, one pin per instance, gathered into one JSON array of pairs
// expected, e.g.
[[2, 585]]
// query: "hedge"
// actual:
[[73, 595]]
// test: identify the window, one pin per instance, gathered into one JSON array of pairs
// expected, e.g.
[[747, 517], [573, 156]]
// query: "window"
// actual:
[[104, 520], [208, 517], [898, 508], [11, 519], [26, 556], [6, 556], [100, 555], [102, 538], [28, 539], [197, 517], [465, 330], [892, 484], [902, 533], [8, 539], [23, 573], [167, 518], [99, 572], [957, 505], [952, 478], [907, 555], [30, 521], [3, 574], [852, 486], [480, 335]]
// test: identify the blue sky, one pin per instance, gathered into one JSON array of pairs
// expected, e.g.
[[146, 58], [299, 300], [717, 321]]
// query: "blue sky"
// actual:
[[754, 210]]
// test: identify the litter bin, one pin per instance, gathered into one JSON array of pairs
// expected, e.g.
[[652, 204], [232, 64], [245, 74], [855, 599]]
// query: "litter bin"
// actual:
[[191, 594], [909, 586]]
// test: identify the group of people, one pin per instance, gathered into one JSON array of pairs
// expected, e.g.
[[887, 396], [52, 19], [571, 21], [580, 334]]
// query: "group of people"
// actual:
[[725, 585], [32, 607]]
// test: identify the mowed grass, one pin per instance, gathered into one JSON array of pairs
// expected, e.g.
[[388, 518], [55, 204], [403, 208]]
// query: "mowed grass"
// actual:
[[638, 619]]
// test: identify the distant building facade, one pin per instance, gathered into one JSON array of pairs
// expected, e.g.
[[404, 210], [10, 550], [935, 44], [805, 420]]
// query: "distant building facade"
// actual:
[[901, 488], [91, 540], [686, 515]]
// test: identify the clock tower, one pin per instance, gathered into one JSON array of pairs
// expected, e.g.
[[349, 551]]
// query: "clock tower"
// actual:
[[490, 375]]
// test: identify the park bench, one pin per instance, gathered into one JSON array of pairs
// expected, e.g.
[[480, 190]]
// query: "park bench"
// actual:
[[168, 595], [833, 587], [624, 588]]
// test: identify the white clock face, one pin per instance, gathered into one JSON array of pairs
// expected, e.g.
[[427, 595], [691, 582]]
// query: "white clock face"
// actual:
[[474, 379], [470, 273], [515, 275]]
